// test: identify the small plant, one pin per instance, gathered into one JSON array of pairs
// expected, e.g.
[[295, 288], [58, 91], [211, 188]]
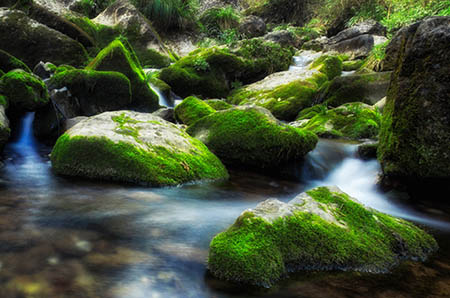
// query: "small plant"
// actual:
[[200, 64]]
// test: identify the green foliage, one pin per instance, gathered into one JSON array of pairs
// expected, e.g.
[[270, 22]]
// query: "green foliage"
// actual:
[[200, 64], [258, 252], [376, 57], [169, 15], [218, 19]]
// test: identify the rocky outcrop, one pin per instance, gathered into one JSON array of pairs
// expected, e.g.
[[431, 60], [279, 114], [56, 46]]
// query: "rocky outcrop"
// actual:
[[358, 40], [252, 26], [249, 136], [35, 42], [321, 229], [134, 147], [415, 134]]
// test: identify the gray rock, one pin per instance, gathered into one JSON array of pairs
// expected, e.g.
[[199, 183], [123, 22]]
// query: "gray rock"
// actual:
[[282, 37], [357, 47], [367, 27], [4, 128], [43, 70], [166, 114], [252, 26]]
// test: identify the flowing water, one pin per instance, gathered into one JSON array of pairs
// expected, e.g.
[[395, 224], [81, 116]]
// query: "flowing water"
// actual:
[[73, 238]]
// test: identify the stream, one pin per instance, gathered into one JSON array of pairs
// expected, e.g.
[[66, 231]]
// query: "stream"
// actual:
[[67, 237]]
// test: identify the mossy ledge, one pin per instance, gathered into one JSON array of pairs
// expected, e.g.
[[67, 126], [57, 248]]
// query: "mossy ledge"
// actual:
[[136, 148], [322, 229]]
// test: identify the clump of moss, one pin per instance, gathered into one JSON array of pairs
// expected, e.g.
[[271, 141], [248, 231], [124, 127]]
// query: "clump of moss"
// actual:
[[251, 136], [331, 66], [218, 104], [352, 121], [154, 59], [23, 91], [134, 159], [119, 56], [192, 109], [260, 250], [352, 65], [96, 91], [9, 62]]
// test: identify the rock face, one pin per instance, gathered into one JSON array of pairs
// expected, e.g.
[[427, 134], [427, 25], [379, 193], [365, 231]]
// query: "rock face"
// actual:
[[286, 93], [252, 26], [34, 42], [366, 88], [352, 121], [119, 56], [250, 136], [134, 147], [322, 229], [358, 40], [23, 91], [415, 134]]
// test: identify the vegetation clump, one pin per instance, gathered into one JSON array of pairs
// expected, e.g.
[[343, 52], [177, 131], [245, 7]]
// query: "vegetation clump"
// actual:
[[192, 109], [322, 229]]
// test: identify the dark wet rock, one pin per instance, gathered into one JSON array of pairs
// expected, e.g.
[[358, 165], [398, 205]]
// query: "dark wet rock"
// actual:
[[366, 27], [368, 150], [322, 229], [43, 70], [317, 44], [8, 62], [34, 42], [166, 114], [357, 47], [252, 26], [415, 134], [282, 37]]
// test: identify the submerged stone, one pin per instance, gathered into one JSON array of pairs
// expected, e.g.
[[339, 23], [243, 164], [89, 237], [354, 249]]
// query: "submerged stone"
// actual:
[[250, 136], [134, 147], [322, 229]]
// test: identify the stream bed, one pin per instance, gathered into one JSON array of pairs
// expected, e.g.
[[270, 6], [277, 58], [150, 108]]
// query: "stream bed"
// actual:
[[63, 237]]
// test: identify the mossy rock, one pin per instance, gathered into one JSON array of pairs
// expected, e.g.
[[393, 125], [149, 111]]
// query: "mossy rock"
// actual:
[[119, 56], [415, 134], [9, 62], [366, 88], [34, 42], [209, 72], [284, 94], [192, 109], [218, 104], [151, 58], [250, 136], [134, 147], [331, 66], [5, 131], [322, 229], [352, 65], [96, 91], [352, 121], [23, 91]]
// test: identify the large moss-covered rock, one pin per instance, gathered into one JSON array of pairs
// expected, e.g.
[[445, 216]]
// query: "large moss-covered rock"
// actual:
[[210, 72], [286, 93], [415, 134], [23, 91], [134, 147], [192, 109], [218, 104], [352, 121], [33, 42], [366, 88], [251, 136], [96, 91], [119, 56], [322, 229], [9, 62]]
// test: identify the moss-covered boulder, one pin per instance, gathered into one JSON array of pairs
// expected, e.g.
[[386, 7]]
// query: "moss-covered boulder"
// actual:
[[192, 109], [415, 134], [352, 121], [329, 65], [250, 136], [119, 56], [134, 147], [218, 104], [366, 88], [96, 91], [33, 42], [352, 65], [210, 72], [9, 62], [23, 90], [322, 229]]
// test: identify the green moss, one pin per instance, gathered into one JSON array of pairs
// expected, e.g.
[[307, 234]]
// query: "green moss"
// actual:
[[154, 59], [119, 56], [218, 104], [309, 113], [9, 62], [255, 251], [192, 109], [251, 136], [352, 65], [353, 121], [96, 91], [331, 66], [24, 91], [104, 159]]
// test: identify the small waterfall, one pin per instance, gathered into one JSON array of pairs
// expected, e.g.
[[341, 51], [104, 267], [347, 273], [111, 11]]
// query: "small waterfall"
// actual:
[[163, 100], [26, 143], [303, 61]]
